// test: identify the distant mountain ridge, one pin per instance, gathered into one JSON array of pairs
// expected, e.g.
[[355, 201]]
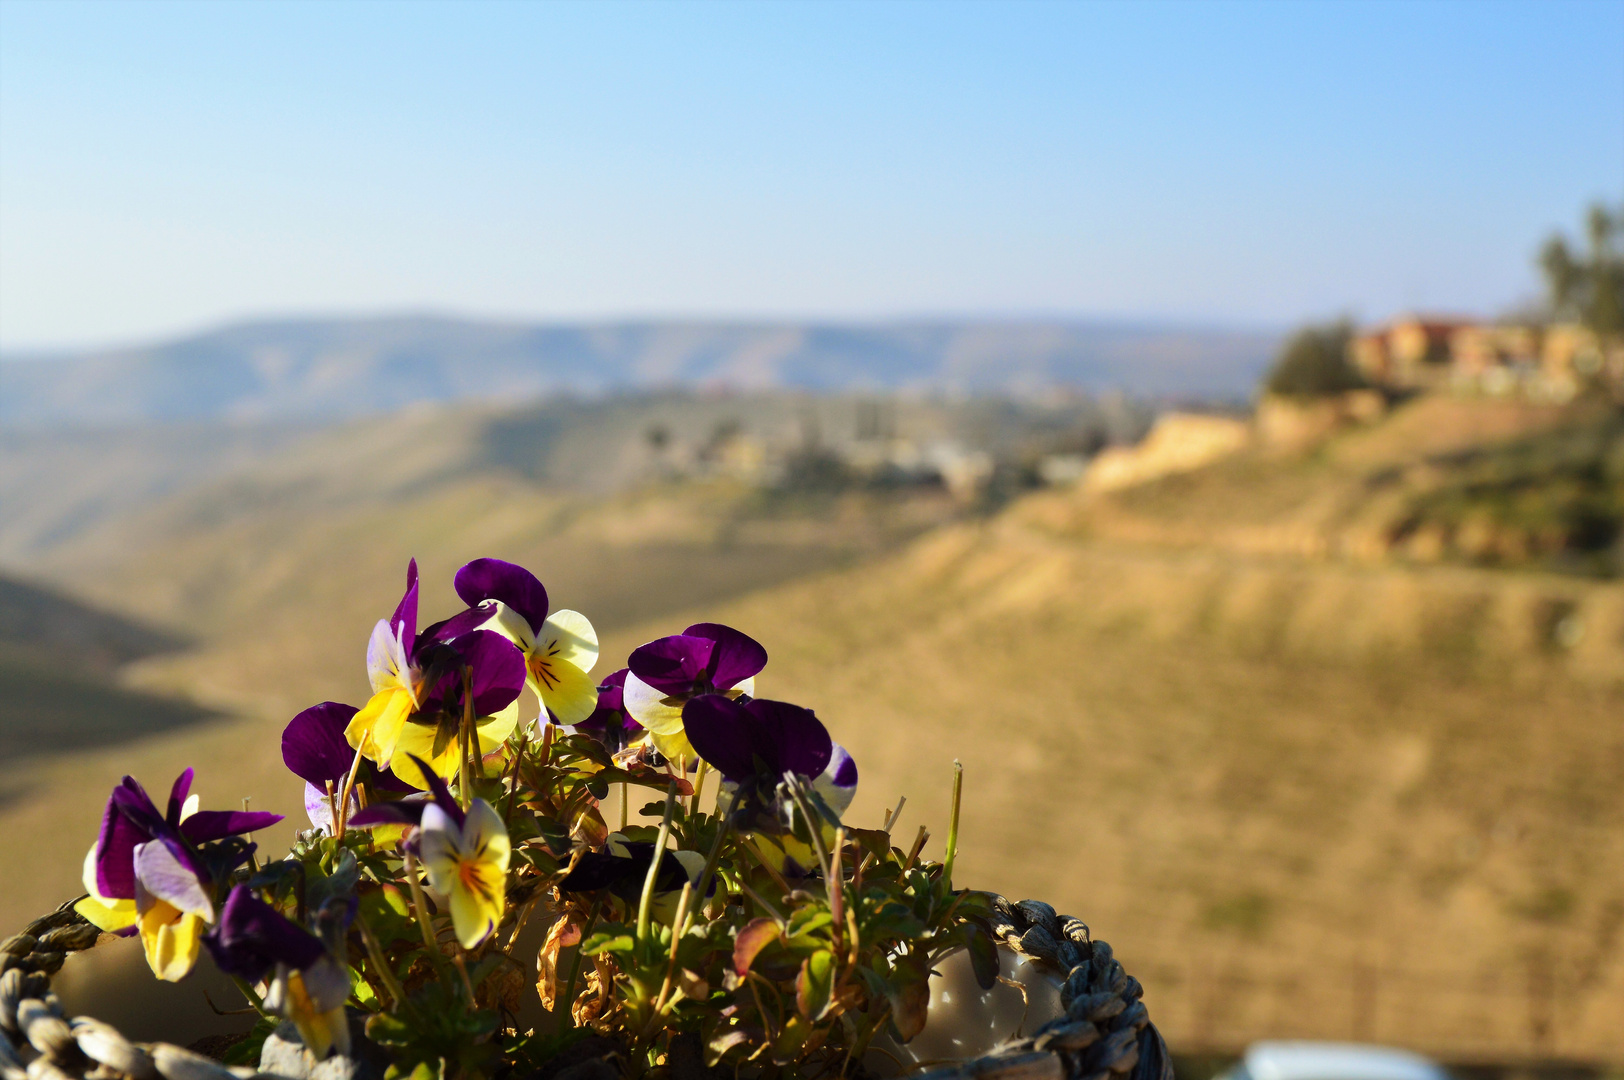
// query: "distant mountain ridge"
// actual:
[[328, 368]]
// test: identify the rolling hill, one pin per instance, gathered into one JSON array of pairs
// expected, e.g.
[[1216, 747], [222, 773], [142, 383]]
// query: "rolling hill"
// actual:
[[1304, 787], [321, 369]]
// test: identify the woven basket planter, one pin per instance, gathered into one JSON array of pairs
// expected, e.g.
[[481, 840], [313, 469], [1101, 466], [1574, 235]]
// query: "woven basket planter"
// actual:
[[1103, 1033]]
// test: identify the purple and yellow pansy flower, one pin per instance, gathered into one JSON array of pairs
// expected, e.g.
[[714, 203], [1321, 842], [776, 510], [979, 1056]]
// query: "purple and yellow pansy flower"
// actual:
[[495, 678], [756, 745], [254, 940], [398, 682], [465, 854], [418, 680], [560, 648], [145, 875], [706, 658]]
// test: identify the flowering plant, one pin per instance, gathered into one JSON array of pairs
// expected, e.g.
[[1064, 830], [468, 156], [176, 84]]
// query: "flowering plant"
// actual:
[[461, 873]]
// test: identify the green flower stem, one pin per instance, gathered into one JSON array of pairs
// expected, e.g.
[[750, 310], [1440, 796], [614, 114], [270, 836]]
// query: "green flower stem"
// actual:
[[465, 788], [646, 903], [953, 826], [252, 995], [375, 952], [343, 809], [664, 1000], [711, 860], [699, 785], [420, 907]]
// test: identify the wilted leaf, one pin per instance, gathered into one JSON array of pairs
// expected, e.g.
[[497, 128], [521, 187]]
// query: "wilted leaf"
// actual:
[[755, 936], [560, 936], [909, 995]]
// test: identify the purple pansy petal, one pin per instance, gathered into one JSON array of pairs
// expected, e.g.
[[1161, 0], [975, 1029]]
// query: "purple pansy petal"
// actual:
[[136, 805], [206, 825], [497, 669], [313, 744], [612, 691], [439, 792], [722, 733], [844, 768], [513, 585], [461, 623], [404, 620], [407, 811], [115, 853], [253, 937], [177, 796], [790, 738], [736, 657], [672, 665]]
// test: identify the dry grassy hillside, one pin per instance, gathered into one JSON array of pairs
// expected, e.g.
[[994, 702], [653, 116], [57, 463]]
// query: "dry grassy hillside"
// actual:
[[1301, 790]]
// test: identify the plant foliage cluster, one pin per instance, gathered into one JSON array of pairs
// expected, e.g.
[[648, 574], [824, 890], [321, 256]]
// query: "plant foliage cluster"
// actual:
[[470, 799]]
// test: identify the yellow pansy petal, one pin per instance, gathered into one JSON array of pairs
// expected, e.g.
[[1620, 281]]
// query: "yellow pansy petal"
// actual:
[[477, 901], [568, 692], [650, 707], [171, 940], [107, 915], [675, 746], [494, 729], [320, 1030], [568, 635], [417, 740], [375, 728]]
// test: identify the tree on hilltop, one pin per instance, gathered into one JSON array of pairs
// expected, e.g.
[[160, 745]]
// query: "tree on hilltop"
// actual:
[[1589, 288], [1314, 363]]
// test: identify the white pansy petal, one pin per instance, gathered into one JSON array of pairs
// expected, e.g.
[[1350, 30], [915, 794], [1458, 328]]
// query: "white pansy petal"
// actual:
[[438, 838], [569, 635], [485, 837], [159, 874], [648, 707], [384, 657], [747, 687]]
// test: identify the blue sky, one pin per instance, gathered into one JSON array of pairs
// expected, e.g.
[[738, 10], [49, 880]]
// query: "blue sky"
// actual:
[[165, 167]]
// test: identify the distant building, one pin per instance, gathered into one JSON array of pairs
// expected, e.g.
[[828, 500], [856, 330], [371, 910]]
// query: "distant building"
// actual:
[[1547, 363]]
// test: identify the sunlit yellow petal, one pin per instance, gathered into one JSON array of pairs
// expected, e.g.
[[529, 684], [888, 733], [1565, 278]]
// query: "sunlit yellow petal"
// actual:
[[320, 1030], [375, 728], [569, 693], [568, 635], [494, 729], [675, 745], [477, 901], [417, 740], [171, 940], [104, 913]]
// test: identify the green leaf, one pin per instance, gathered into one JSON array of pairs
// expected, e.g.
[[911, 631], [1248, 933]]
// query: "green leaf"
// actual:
[[983, 955], [814, 989], [608, 942], [807, 920]]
